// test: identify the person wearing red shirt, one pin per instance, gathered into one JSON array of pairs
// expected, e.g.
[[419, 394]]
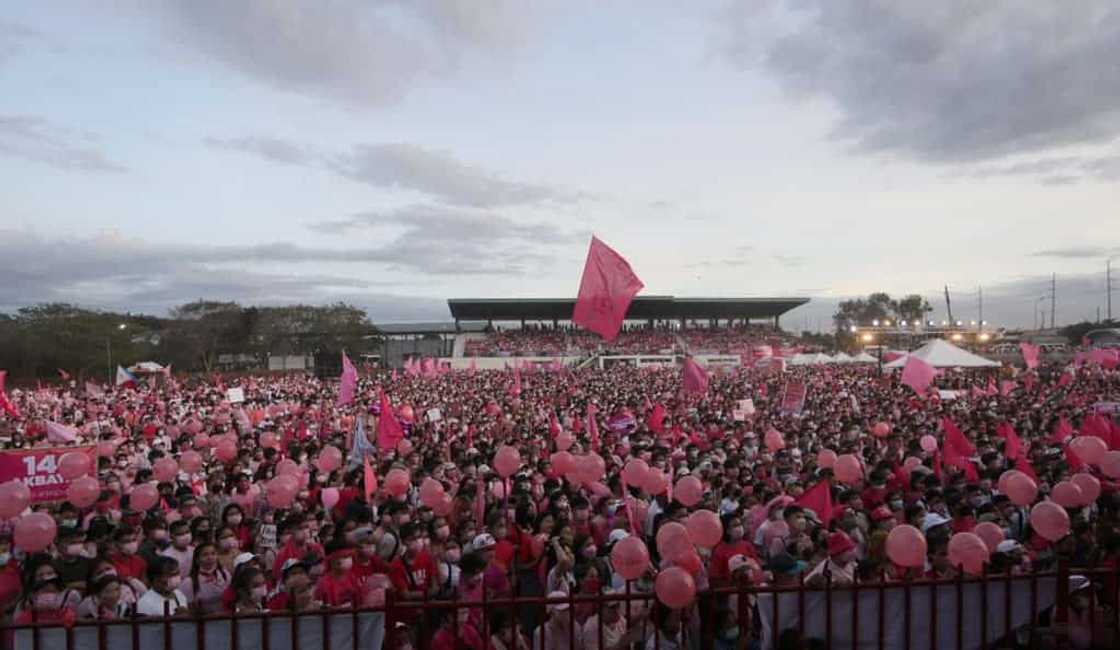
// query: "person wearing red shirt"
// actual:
[[339, 587], [299, 546], [128, 563], [733, 544], [413, 573]]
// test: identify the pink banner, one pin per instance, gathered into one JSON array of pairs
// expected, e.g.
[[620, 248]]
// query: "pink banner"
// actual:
[[38, 468], [794, 398]]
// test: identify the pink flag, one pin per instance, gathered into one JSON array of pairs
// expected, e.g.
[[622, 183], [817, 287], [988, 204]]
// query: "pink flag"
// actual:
[[656, 420], [60, 434], [348, 382], [1062, 431], [370, 479], [554, 426], [693, 377], [1106, 358], [93, 390], [1030, 354], [389, 431], [593, 426], [992, 390], [605, 291], [5, 404], [918, 374], [1013, 448], [428, 367], [474, 365], [1005, 387]]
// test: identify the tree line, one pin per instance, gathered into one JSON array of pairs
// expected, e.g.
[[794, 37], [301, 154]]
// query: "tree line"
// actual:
[[38, 341]]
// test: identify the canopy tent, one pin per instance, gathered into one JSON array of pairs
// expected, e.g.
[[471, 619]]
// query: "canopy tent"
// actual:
[[840, 357], [942, 354], [864, 357], [146, 367]]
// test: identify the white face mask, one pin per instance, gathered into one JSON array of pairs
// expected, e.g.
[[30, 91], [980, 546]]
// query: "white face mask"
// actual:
[[346, 563], [174, 582]]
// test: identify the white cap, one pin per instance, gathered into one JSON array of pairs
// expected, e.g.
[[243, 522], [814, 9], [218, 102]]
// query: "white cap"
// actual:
[[933, 520], [242, 559], [483, 540], [617, 535], [1009, 546]]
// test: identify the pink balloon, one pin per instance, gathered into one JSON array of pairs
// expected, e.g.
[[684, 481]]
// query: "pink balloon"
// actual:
[[74, 464], [282, 490], [773, 440], [190, 462], [906, 546], [990, 533], [967, 550], [106, 449], [689, 490], [444, 506], [165, 469], [1090, 449], [83, 491], [1090, 487], [34, 532], [847, 469], [910, 463], [590, 468], [194, 427], [430, 491], [143, 497], [287, 467], [270, 440], [329, 497], [507, 461], [226, 451], [826, 458], [635, 471], [599, 490], [498, 490], [656, 482], [672, 540], [1021, 489], [564, 441], [689, 561], [562, 462], [1110, 464], [201, 441], [1050, 520], [406, 413], [630, 557], [397, 482], [15, 496], [704, 528], [1066, 494], [404, 447], [675, 588], [881, 430], [928, 443], [330, 459]]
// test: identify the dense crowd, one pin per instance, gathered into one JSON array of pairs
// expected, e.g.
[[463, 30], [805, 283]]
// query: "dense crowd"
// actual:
[[544, 340], [526, 483]]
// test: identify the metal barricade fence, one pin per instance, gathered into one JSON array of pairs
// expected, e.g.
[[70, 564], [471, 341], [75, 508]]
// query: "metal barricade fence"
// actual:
[[992, 610]]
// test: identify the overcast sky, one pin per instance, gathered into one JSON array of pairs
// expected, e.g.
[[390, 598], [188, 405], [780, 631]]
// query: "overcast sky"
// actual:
[[395, 154]]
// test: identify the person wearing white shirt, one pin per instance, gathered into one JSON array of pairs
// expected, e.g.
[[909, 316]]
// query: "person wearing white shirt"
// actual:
[[164, 598]]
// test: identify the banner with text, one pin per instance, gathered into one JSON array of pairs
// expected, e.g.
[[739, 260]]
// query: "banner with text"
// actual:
[[38, 469]]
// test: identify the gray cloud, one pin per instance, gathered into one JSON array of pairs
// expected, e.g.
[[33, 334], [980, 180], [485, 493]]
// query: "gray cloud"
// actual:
[[950, 81], [452, 224], [36, 140], [360, 52], [1055, 170], [273, 149], [1079, 252]]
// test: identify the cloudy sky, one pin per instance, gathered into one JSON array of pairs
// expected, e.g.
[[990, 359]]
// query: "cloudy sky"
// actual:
[[398, 153]]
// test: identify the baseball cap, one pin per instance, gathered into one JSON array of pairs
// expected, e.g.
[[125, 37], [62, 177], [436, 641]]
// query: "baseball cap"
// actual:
[[617, 535], [243, 559], [933, 520], [1009, 546], [882, 513], [483, 541]]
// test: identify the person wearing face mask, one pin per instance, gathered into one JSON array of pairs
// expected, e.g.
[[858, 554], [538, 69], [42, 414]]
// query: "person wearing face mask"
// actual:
[[234, 517], [298, 546], [164, 597], [840, 564], [73, 566], [733, 543], [123, 554], [181, 549], [339, 587], [251, 589], [413, 572], [228, 548], [104, 601], [206, 581], [156, 538], [45, 603]]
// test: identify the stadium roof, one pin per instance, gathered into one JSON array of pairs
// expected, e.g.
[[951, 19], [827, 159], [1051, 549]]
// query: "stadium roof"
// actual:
[[445, 327], [642, 308]]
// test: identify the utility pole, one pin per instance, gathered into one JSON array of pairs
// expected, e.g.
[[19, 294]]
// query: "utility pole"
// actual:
[[980, 294], [1053, 297], [1108, 286]]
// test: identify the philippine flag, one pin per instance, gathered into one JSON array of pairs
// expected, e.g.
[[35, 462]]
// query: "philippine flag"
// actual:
[[125, 378]]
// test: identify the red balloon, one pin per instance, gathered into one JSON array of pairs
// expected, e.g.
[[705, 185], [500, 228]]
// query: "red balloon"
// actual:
[[634, 471], [656, 482], [847, 469], [329, 497], [704, 528], [990, 533], [201, 441], [507, 461], [1050, 520], [270, 440], [83, 492], [431, 492], [564, 441], [1090, 487], [330, 459], [881, 429], [689, 561], [672, 540], [1066, 494], [590, 467], [1090, 449], [190, 462], [106, 449], [404, 447], [630, 557], [15, 496], [826, 458], [165, 469], [773, 440], [675, 588], [287, 467], [444, 506], [1021, 489], [906, 546], [967, 550], [73, 464], [34, 532], [563, 462], [282, 490], [928, 443], [689, 490], [397, 482], [143, 497], [226, 451], [1110, 464]]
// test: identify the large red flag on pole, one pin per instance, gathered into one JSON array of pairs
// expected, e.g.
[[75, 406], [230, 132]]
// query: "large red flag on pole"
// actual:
[[694, 378], [818, 499], [348, 382], [389, 431], [605, 291]]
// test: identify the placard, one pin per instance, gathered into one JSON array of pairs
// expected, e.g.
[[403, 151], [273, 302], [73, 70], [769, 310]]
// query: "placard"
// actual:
[[434, 415], [793, 400], [235, 395], [38, 469]]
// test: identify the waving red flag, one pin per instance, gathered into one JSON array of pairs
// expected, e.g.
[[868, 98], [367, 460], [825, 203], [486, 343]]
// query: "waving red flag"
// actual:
[[656, 421], [1030, 354], [605, 291], [5, 404], [1013, 448], [693, 377], [918, 374], [348, 382], [1062, 430], [389, 431], [818, 499], [955, 439]]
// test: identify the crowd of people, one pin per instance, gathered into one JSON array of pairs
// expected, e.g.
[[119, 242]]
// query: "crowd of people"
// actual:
[[525, 483], [545, 340]]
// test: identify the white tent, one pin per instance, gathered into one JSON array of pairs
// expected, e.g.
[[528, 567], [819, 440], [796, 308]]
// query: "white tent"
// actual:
[[800, 359], [942, 354], [147, 367], [864, 357], [840, 357]]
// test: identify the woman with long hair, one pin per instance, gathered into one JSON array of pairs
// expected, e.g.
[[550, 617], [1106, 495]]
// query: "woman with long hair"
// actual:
[[206, 582]]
